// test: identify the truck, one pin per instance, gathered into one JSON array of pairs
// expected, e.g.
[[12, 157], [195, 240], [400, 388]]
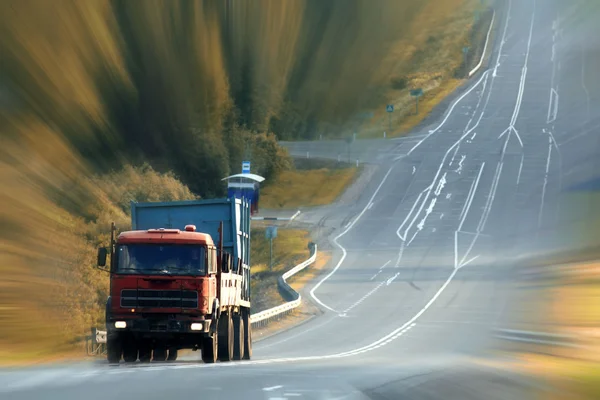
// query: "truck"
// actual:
[[180, 279]]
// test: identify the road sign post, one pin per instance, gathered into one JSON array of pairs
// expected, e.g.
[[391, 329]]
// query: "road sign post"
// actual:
[[390, 109], [416, 93], [271, 233]]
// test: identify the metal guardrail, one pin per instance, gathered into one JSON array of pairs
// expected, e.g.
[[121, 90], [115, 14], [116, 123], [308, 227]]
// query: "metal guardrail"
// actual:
[[96, 342], [264, 317]]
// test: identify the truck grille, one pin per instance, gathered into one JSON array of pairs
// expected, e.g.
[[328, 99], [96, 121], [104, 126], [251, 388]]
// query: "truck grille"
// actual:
[[133, 298]]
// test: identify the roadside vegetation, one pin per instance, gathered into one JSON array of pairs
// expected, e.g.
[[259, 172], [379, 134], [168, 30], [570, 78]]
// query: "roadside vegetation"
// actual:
[[289, 249], [105, 102], [308, 185]]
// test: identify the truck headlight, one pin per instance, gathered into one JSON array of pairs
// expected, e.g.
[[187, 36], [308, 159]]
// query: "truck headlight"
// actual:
[[196, 326], [120, 324]]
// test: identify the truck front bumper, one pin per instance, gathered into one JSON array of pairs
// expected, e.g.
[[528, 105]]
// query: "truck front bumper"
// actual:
[[157, 326]]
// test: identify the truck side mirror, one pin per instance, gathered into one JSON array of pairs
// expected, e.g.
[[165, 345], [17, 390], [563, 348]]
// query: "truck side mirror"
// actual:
[[102, 253]]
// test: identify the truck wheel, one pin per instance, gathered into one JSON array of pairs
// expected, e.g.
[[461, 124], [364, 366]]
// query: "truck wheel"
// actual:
[[159, 354], [145, 353], [225, 337], [210, 348], [114, 350], [130, 351], [172, 354], [247, 335], [238, 337]]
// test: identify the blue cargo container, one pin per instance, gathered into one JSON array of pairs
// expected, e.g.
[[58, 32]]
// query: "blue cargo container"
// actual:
[[206, 215]]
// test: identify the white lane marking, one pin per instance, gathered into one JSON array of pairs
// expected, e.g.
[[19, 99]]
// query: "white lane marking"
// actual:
[[400, 253], [370, 206], [520, 168], [271, 388], [292, 394], [521, 92], [344, 253], [407, 217], [387, 283], [448, 195], [414, 170], [540, 216], [469, 261], [470, 197], [503, 41], [552, 106], [483, 76], [376, 288], [380, 269], [454, 156], [490, 201], [460, 164], [441, 185]]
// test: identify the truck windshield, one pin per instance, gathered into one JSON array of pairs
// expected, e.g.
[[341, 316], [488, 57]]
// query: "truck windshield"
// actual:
[[161, 259]]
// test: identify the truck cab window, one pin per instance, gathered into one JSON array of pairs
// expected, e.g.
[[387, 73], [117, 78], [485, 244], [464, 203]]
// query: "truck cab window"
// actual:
[[161, 259]]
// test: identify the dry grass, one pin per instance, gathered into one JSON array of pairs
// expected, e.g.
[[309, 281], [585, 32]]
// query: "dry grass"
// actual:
[[51, 294], [306, 309], [292, 189], [289, 249], [304, 277], [429, 58]]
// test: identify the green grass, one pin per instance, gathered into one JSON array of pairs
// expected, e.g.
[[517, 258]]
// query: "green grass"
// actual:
[[292, 189]]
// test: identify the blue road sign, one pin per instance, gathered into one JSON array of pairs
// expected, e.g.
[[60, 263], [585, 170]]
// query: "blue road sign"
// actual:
[[271, 232], [389, 108], [245, 167], [416, 92]]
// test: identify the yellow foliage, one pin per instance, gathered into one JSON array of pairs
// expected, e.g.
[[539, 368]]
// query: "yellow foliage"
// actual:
[[306, 188]]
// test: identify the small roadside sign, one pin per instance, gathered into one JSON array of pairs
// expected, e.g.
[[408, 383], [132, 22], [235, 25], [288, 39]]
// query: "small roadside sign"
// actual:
[[416, 92], [245, 167], [389, 108], [271, 232]]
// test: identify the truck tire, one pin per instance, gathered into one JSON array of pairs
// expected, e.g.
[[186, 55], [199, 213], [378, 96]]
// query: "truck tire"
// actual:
[[114, 349], [210, 347], [225, 337], [159, 354], [172, 354], [238, 337], [145, 353], [247, 335], [130, 351]]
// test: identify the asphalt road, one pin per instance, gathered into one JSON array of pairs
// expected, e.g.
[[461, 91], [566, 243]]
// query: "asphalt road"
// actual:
[[427, 257]]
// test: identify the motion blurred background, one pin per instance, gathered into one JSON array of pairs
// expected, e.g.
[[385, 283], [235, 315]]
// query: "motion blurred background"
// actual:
[[103, 102]]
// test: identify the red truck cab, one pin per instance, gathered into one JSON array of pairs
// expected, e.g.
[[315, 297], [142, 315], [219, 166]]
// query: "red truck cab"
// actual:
[[167, 289]]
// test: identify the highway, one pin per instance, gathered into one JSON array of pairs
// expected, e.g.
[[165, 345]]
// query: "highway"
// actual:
[[427, 257]]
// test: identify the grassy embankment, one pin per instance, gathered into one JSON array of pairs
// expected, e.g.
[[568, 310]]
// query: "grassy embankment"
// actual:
[[310, 183], [437, 62]]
